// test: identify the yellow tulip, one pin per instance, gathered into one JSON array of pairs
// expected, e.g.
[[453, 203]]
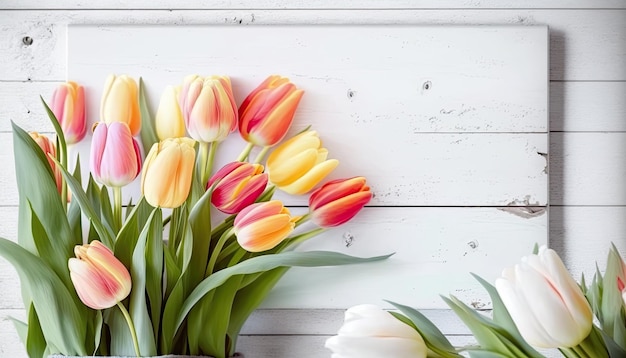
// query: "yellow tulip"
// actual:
[[169, 118], [120, 102], [299, 164], [167, 173]]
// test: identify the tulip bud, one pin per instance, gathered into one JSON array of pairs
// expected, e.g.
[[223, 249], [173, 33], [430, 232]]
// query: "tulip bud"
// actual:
[[167, 173], [49, 149], [262, 226], [338, 201], [267, 112], [208, 107], [68, 106], [115, 156], [299, 164], [120, 102], [237, 185], [545, 302], [369, 331], [100, 279], [622, 288], [169, 118]]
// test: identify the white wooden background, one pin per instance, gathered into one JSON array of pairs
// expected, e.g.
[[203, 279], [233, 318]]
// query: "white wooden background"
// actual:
[[587, 88]]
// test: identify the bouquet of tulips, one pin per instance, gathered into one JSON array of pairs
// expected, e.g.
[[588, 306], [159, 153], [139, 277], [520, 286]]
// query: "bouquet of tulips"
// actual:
[[537, 306], [159, 276]]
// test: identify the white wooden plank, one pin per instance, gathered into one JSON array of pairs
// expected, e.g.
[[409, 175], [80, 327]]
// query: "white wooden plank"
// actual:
[[313, 4], [21, 104], [587, 106], [585, 44], [587, 168]]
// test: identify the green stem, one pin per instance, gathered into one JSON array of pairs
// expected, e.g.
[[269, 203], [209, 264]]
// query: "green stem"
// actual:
[[298, 239], [62, 149], [131, 327], [209, 162], [203, 156], [216, 251], [261, 154], [117, 207], [245, 153], [304, 218], [237, 257]]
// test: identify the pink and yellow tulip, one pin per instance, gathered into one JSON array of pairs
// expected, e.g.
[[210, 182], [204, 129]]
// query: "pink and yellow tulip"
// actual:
[[115, 156], [100, 279], [167, 173], [49, 149], [68, 106], [208, 107], [237, 185], [262, 226], [120, 102], [169, 120], [299, 164], [267, 112], [338, 201]]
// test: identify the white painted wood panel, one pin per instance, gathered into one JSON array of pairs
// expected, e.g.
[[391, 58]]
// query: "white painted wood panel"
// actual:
[[585, 44]]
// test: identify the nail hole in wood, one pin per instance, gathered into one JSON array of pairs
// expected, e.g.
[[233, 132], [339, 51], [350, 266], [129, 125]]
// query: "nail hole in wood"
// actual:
[[351, 94], [427, 85], [27, 40]]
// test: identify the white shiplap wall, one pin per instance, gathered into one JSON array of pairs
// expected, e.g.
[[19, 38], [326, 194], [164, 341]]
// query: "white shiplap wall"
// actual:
[[587, 110]]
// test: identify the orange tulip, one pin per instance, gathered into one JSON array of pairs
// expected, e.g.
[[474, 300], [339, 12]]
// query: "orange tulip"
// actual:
[[49, 148], [267, 112], [99, 278], [68, 106], [262, 226], [208, 107], [338, 201], [120, 102], [115, 156], [299, 164], [237, 185]]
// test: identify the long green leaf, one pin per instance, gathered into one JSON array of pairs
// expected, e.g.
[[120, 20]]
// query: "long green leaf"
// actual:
[[61, 321], [35, 342], [154, 270], [200, 222], [148, 132], [129, 233]]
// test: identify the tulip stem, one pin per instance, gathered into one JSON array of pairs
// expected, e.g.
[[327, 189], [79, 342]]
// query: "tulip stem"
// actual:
[[131, 327], [245, 153], [261, 154], [304, 218], [217, 249], [117, 207], [298, 239]]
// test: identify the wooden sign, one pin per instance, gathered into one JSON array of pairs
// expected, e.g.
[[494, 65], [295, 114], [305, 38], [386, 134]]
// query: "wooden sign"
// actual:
[[448, 125]]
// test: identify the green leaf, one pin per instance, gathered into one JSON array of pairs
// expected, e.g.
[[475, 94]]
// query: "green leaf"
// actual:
[[615, 351], [35, 342], [121, 343], [486, 354], [200, 222], [433, 337], [61, 321], [129, 233], [612, 302], [148, 132], [265, 263], [57, 127], [106, 211], [74, 215]]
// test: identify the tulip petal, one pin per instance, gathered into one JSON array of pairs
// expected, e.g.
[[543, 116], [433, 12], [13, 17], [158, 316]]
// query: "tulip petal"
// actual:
[[311, 178]]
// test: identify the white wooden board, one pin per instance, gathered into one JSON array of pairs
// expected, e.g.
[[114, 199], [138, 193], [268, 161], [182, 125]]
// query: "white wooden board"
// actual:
[[431, 115]]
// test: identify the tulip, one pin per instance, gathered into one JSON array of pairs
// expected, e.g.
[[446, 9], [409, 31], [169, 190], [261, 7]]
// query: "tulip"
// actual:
[[169, 118], [262, 226], [338, 201], [370, 332], [120, 102], [208, 107], [267, 112], [545, 302], [237, 185], [622, 288], [115, 155], [100, 279], [167, 173], [299, 164], [49, 149], [68, 106]]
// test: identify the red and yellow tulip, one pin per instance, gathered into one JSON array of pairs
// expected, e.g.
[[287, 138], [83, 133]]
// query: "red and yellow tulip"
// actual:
[[68, 106], [120, 102], [237, 185], [100, 279], [115, 156], [262, 226], [338, 201], [49, 149], [267, 112]]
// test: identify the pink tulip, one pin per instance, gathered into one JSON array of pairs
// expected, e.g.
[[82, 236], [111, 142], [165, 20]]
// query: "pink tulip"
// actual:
[[49, 149], [208, 107], [238, 184], [115, 155], [338, 201], [99, 278], [622, 288], [266, 114], [262, 226], [68, 106]]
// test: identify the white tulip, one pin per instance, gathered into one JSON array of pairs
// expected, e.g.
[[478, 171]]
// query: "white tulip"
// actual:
[[546, 304], [370, 332]]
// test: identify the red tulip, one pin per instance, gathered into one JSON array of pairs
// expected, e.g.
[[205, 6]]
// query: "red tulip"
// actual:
[[99, 278], [266, 114], [338, 201], [115, 155], [238, 184], [262, 226], [68, 106]]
